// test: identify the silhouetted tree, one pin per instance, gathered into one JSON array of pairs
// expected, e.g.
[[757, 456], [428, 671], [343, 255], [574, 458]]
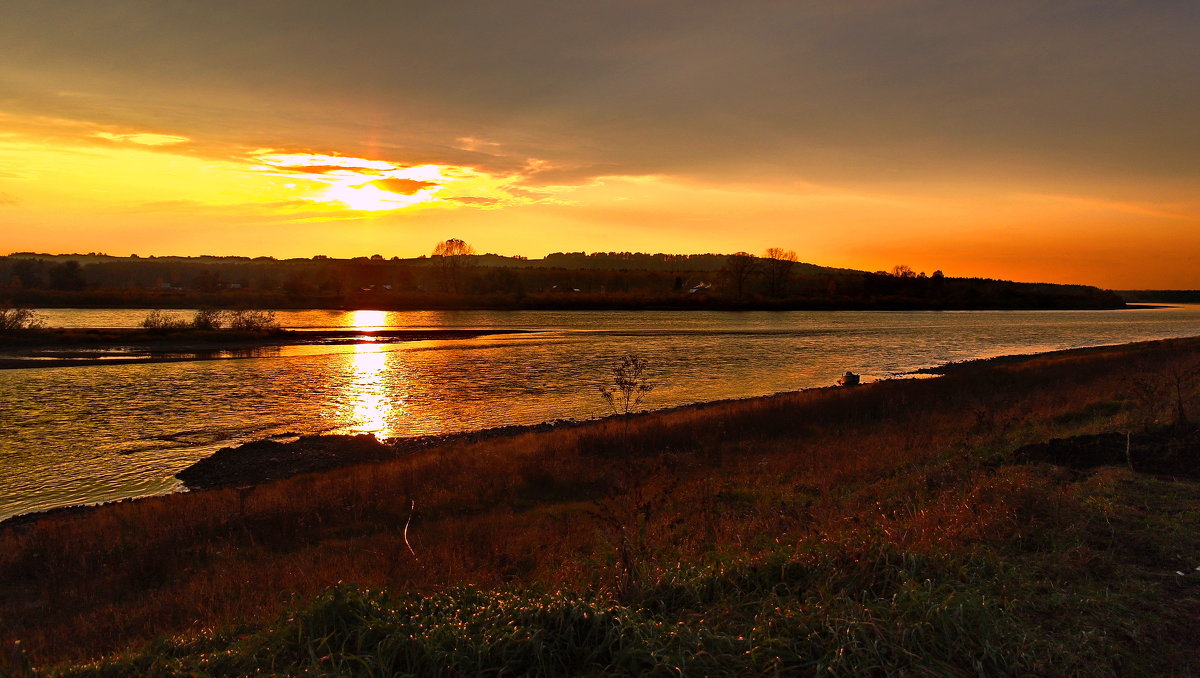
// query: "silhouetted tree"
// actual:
[[29, 272], [207, 281], [777, 264], [739, 268], [500, 281], [455, 258], [297, 284], [66, 276], [903, 271]]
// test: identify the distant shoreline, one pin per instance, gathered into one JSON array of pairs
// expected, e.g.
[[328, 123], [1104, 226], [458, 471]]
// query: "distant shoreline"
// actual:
[[561, 302]]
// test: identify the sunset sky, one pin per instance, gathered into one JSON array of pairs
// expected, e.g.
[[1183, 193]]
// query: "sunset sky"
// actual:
[[1055, 141]]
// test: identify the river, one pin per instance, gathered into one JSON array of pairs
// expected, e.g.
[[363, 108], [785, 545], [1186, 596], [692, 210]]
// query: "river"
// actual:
[[85, 434]]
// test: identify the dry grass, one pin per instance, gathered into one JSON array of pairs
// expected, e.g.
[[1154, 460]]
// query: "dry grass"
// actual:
[[861, 480]]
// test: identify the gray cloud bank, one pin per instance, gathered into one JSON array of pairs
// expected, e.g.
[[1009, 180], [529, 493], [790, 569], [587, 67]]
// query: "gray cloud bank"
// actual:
[[820, 91]]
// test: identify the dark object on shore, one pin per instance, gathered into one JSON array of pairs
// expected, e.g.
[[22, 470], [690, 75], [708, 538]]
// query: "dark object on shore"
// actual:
[[266, 460], [849, 379], [1169, 451], [262, 461]]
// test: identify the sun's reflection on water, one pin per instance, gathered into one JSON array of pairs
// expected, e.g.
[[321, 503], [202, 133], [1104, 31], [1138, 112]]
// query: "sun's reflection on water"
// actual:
[[368, 320], [368, 391]]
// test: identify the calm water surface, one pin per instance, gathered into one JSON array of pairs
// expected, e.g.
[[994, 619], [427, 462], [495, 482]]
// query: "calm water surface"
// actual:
[[95, 433]]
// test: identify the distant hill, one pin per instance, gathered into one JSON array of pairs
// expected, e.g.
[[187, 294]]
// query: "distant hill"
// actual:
[[563, 280], [606, 261]]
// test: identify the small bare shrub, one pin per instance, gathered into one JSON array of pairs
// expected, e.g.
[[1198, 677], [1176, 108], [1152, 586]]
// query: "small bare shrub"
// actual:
[[630, 384], [208, 319], [17, 319], [253, 320], [1164, 394], [158, 321]]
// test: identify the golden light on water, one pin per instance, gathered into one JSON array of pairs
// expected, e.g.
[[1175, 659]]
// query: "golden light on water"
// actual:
[[368, 319], [368, 390]]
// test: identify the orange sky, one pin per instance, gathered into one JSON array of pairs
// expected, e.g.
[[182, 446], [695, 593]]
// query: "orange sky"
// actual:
[[1013, 141]]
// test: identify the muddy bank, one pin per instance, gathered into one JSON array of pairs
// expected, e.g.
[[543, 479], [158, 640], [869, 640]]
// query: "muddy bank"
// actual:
[[262, 461], [67, 348]]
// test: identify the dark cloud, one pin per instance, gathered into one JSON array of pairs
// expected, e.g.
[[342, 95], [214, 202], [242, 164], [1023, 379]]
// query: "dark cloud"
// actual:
[[7, 200], [471, 200], [403, 186], [862, 89]]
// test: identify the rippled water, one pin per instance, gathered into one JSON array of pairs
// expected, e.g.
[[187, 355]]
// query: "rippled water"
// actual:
[[94, 433]]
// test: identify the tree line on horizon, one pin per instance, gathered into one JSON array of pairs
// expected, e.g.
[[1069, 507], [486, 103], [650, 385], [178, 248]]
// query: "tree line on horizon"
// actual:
[[454, 275]]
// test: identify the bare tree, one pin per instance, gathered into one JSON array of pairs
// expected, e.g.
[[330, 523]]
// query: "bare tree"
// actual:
[[777, 264], [1168, 388], [454, 259], [739, 268]]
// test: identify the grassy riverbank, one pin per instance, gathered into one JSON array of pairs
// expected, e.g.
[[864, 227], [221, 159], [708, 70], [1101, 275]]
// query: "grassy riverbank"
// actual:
[[889, 528]]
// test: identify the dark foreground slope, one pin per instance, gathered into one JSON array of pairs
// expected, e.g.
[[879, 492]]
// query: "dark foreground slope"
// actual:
[[887, 529]]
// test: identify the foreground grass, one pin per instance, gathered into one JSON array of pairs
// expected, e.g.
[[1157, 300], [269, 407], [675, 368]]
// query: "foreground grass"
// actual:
[[880, 530]]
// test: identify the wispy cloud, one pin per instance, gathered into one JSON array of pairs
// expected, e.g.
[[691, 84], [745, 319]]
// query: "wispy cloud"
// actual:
[[143, 138], [475, 144], [1146, 209]]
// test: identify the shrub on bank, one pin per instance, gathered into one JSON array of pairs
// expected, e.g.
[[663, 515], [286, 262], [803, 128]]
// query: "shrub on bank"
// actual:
[[17, 319], [208, 319], [252, 320], [158, 321]]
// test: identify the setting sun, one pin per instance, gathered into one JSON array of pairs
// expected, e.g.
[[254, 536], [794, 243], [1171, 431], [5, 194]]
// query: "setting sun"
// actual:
[[367, 197]]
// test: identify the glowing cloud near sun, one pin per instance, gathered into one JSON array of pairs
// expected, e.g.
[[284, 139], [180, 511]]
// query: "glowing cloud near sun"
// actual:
[[361, 184]]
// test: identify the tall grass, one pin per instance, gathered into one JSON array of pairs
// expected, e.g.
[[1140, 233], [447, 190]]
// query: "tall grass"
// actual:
[[878, 529]]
